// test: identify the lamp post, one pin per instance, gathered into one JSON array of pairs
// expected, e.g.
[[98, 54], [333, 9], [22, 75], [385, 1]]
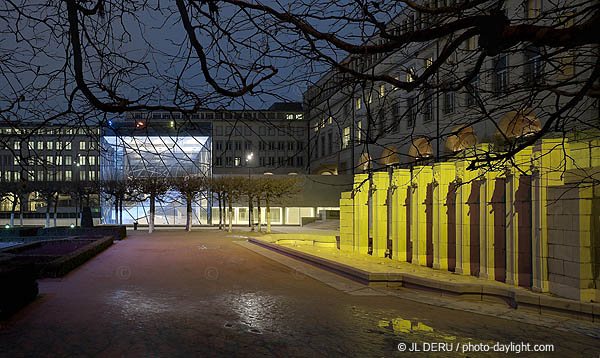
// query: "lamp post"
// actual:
[[250, 208]]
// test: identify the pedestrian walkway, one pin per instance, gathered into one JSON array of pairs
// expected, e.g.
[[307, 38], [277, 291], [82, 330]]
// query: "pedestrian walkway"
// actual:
[[381, 272]]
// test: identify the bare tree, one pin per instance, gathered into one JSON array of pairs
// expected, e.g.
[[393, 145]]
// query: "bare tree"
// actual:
[[189, 188], [152, 188]]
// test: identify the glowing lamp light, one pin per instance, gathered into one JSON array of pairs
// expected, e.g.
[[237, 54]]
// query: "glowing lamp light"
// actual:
[[110, 123], [139, 124], [7, 226], [72, 226]]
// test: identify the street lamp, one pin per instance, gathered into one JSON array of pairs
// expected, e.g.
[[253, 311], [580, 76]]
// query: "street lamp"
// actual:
[[250, 208]]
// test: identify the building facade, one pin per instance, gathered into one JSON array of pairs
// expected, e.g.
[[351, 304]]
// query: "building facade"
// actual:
[[471, 98]]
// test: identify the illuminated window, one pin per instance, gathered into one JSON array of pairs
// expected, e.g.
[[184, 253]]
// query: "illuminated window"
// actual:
[[68, 146], [68, 175], [381, 90], [428, 61], [358, 103], [17, 145], [82, 175], [81, 145], [92, 175], [237, 161], [330, 120], [346, 138], [534, 8], [369, 98], [410, 75]]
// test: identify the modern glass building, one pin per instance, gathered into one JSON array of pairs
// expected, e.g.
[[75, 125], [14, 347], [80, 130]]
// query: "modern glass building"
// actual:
[[143, 147]]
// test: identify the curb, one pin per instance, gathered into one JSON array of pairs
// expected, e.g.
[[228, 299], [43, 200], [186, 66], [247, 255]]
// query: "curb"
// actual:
[[514, 298]]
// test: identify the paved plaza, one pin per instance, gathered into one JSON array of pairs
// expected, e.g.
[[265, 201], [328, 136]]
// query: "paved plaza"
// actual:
[[206, 294]]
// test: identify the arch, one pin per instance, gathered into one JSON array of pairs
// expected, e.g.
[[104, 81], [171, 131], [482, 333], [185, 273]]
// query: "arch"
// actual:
[[389, 156], [420, 148], [326, 169], [365, 162], [460, 138], [517, 124]]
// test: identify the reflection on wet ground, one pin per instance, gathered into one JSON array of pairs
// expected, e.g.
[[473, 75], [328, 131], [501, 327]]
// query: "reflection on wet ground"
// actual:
[[186, 295]]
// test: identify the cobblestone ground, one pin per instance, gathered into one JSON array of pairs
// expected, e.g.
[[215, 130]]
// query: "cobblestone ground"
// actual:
[[177, 294]]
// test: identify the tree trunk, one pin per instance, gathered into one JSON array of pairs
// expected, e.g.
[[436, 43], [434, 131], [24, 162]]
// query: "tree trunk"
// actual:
[[55, 208], [152, 211], [250, 213], [21, 211], [48, 203], [259, 215], [188, 222], [121, 211], [230, 213], [76, 211], [116, 210], [268, 215], [12, 212], [220, 198]]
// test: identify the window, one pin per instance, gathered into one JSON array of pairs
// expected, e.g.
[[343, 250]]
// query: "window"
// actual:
[[92, 160], [262, 161], [261, 145], [411, 112], [58, 176], [471, 43], [289, 116], [358, 103], [40, 145], [346, 137], [218, 161], [381, 91], [410, 74], [369, 98], [58, 145], [237, 161], [428, 106], [17, 145], [449, 102], [49, 145], [358, 131], [300, 146], [68, 160], [428, 62], [272, 132], [271, 145], [271, 161], [59, 160], [218, 130], [218, 145], [280, 161], [501, 74], [247, 131], [534, 8], [238, 145], [81, 145], [228, 161], [50, 159], [472, 91], [81, 160], [299, 116], [92, 175], [248, 145], [16, 160], [262, 131], [290, 161], [290, 146], [299, 161], [68, 146], [533, 68], [280, 145], [330, 120], [82, 175], [228, 145], [238, 131]]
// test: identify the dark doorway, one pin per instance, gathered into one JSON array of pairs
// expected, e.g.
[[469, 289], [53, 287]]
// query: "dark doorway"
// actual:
[[473, 202], [451, 213], [523, 210], [499, 211]]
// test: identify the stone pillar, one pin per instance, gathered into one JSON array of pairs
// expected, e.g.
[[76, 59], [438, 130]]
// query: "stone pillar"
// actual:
[[549, 168], [400, 183], [443, 174], [346, 222], [464, 179], [422, 176], [520, 165], [487, 225], [361, 213], [381, 182]]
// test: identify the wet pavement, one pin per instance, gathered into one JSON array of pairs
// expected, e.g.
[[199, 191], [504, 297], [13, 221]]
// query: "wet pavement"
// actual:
[[199, 294]]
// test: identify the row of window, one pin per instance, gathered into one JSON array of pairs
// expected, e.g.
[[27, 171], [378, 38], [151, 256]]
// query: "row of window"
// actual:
[[221, 115], [53, 145], [262, 131], [262, 161], [43, 175], [52, 160], [262, 145], [50, 131]]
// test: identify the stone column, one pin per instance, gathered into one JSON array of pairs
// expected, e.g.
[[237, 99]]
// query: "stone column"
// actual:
[[400, 183], [464, 179], [346, 222], [361, 213], [549, 168], [443, 174], [381, 182], [422, 176]]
